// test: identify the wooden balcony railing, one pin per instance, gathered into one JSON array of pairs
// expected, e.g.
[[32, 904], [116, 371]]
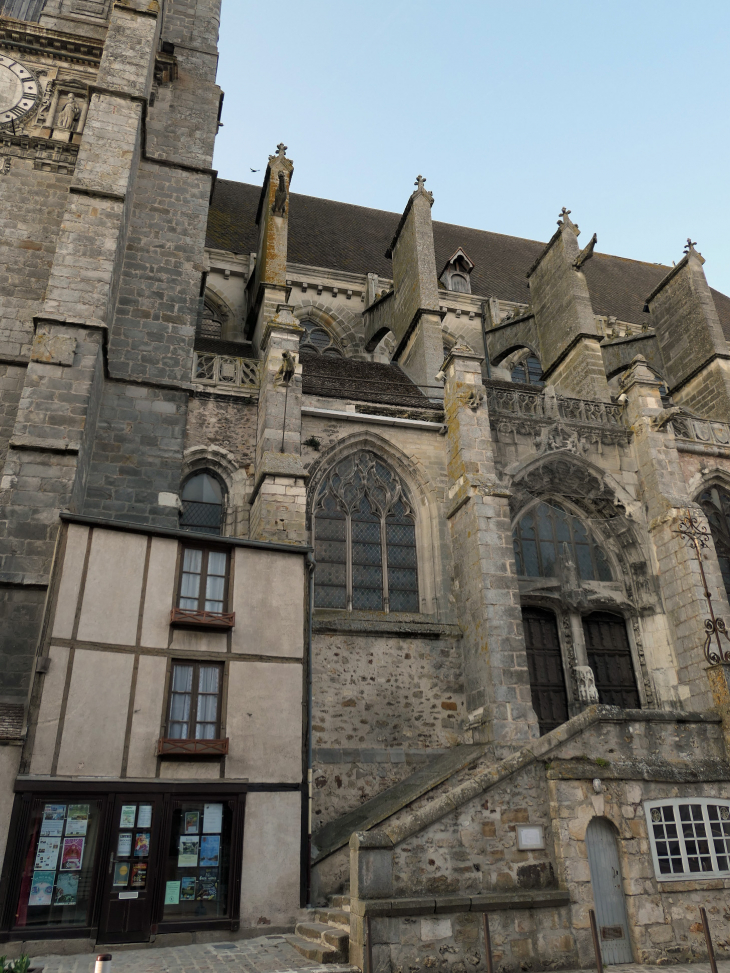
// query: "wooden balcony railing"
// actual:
[[193, 618], [168, 747]]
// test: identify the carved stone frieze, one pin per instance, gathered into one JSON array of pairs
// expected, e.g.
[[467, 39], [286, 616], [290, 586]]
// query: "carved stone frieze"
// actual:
[[638, 642], [46, 154], [567, 639]]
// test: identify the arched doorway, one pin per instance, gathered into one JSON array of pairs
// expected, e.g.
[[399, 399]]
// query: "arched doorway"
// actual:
[[609, 655], [545, 666], [608, 892]]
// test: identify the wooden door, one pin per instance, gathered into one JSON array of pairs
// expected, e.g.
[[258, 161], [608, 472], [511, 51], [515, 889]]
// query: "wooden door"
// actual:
[[609, 655], [608, 892], [545, 665], [130, 881]]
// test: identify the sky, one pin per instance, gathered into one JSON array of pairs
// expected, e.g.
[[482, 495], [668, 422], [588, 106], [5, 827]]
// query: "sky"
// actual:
[[511, 110]]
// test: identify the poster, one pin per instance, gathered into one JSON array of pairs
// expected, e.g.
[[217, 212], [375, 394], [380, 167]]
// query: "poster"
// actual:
[[212, 818], [142, 844], [144, 816], [67, 890], [72, 854], [191, 822], [208, 885], [209, 850], [139, 875], [77, 819], [46, 855], [121, 874], [124, 844], [188, 856], [53, 817], [41, 889], [129, 813], [172, 893], [187, 888]]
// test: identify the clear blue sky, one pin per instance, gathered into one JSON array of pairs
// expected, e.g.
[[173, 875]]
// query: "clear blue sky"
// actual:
[[617, 109]]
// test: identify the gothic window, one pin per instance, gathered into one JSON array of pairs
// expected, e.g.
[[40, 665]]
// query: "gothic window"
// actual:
[[318, 341], [211, 325], [202, 504], [716, 504], [364, 539], [528, 371], [538, 543]]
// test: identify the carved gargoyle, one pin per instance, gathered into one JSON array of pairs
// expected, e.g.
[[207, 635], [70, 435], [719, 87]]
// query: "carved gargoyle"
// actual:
[[661, 419], [280, 197], [287, 369], [586, 253]]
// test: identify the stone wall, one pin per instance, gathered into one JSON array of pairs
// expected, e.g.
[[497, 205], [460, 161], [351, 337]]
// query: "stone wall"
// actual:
[[11, 385], [216, 419]]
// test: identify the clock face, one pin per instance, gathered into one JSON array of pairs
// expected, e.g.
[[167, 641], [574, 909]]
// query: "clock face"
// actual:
[[19, 90]]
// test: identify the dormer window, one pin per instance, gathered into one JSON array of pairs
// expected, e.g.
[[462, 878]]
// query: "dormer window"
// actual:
[[456, 275]]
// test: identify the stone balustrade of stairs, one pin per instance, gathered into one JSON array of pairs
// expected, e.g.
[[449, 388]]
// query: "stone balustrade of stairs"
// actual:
[[324, 936]]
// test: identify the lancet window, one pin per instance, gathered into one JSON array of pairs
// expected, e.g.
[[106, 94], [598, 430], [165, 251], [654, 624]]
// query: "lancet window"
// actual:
[[364, 539], [716, 504], [539, 540], [528, 371]]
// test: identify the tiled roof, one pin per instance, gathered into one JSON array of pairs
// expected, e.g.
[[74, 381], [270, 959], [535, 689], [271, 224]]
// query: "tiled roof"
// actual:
[[11, 720], [348, 378], [324, 233]]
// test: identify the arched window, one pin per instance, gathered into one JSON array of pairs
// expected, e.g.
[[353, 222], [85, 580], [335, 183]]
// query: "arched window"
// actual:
[[459, 283], [202, 501], [528, 371], [317, 340], [538, 542], [364, 539], [211, 325], [716, 504]]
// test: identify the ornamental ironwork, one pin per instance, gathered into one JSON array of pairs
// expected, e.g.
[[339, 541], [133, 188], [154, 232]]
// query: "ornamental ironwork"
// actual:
[[698, 536]]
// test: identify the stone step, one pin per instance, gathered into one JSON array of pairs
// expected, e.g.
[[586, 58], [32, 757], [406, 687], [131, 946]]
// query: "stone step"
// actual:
[[335, 917], [324, 933], [340, 902], [315, 951]]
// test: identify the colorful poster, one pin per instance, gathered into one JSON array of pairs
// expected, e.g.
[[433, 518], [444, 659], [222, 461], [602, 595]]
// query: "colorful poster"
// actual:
[[128, 815], [124, 844], [77, 819], [187, 888], [212, 818], [72, 854], [142, 844], [53, 817], [46, 855], [191, 822], [41, 889], [208, 885], [139, 875], [210, 849], [188, 855], [172, 893], [121, 874], [144, 816], [67, 890]]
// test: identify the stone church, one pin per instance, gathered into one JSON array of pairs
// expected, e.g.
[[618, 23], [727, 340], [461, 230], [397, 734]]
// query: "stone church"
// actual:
[[361, 575]]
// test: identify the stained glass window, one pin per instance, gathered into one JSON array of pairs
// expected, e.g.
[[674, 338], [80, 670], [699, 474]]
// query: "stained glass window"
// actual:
[[318, 341], [716, 504], [364, 539], [528, 371], [539, 537]]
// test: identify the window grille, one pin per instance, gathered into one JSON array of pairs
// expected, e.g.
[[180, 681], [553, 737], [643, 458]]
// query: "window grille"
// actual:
[[202, 503], [318, 341], [716, 504], [211, 325], [689, 838], [539, 537], [365, 539]]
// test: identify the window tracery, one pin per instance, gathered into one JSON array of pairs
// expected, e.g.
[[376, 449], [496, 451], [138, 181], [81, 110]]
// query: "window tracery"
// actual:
[[365, 539], [528, 371], [716, 504], [539, 537], [317, 340], [211, 325]]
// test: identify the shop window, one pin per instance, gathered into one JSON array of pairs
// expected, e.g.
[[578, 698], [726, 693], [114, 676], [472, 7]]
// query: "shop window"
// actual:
[[203, 592], [195, 696], [202, 504], [689, 838], [716, 504], [538, 543], [198, 862], [56, 884], [365, 539]]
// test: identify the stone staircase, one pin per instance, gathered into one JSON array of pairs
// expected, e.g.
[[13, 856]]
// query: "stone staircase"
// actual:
[[324, 936]]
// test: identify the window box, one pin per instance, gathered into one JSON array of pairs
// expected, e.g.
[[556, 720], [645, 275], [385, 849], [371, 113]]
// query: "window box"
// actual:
[[167, 747], [195, 618]]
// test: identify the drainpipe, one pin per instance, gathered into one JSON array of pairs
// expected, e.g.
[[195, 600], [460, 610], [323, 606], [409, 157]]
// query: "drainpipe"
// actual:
[[311, 564], [484, 338]]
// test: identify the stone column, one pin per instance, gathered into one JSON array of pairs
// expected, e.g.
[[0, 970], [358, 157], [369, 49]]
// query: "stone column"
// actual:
[[278, 511], [371, 879], [663, 492], [416, 318], [486, 589]]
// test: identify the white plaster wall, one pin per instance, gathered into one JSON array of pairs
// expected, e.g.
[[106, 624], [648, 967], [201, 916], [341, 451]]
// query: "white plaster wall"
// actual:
[[49, 712], [190, 640], [9, 763], [175, 769], [271, 859], [68, 592], [159, 593], [147, 716], [263, 579], [96, 714], [265, 721], [110, 610]]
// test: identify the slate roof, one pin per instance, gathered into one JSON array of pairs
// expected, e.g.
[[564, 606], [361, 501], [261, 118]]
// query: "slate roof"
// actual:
[[11, 721], [348, 378], [341, 236]]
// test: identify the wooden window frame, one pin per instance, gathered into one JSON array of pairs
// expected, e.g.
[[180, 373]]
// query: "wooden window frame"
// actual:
[[199, 617], [686, 875], [191, 746]]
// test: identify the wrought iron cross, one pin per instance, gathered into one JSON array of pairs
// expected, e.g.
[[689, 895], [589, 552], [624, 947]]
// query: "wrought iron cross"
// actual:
[[420, 181], [699, 537]]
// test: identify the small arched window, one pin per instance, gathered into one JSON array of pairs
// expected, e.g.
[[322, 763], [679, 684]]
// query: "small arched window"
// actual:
[[211, 324], [528, 371], [364, 539], [459, 283], [318, 341], [716, 504], [539, 537], [202, 504]]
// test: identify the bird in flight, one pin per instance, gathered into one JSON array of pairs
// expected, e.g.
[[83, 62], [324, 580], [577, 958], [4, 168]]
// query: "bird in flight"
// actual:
[[254, 170]]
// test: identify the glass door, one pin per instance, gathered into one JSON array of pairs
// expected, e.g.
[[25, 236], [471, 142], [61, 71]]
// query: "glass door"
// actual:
[[129, 883]]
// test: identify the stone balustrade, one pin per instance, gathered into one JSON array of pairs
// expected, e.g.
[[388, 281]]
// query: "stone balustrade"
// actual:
[[702, 431], [527, 403], [226, 371]]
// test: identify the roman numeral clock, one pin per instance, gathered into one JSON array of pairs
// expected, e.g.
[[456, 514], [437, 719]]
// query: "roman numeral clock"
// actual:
[[19, 91]]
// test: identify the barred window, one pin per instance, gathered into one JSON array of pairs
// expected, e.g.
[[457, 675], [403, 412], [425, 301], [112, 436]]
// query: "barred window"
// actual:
[[202, 504], [689, 838], [365, 539], [538, 543]]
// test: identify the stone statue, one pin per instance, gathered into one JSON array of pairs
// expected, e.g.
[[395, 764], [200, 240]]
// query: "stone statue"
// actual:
[[69, 114], [587, 692], [280, 197]]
